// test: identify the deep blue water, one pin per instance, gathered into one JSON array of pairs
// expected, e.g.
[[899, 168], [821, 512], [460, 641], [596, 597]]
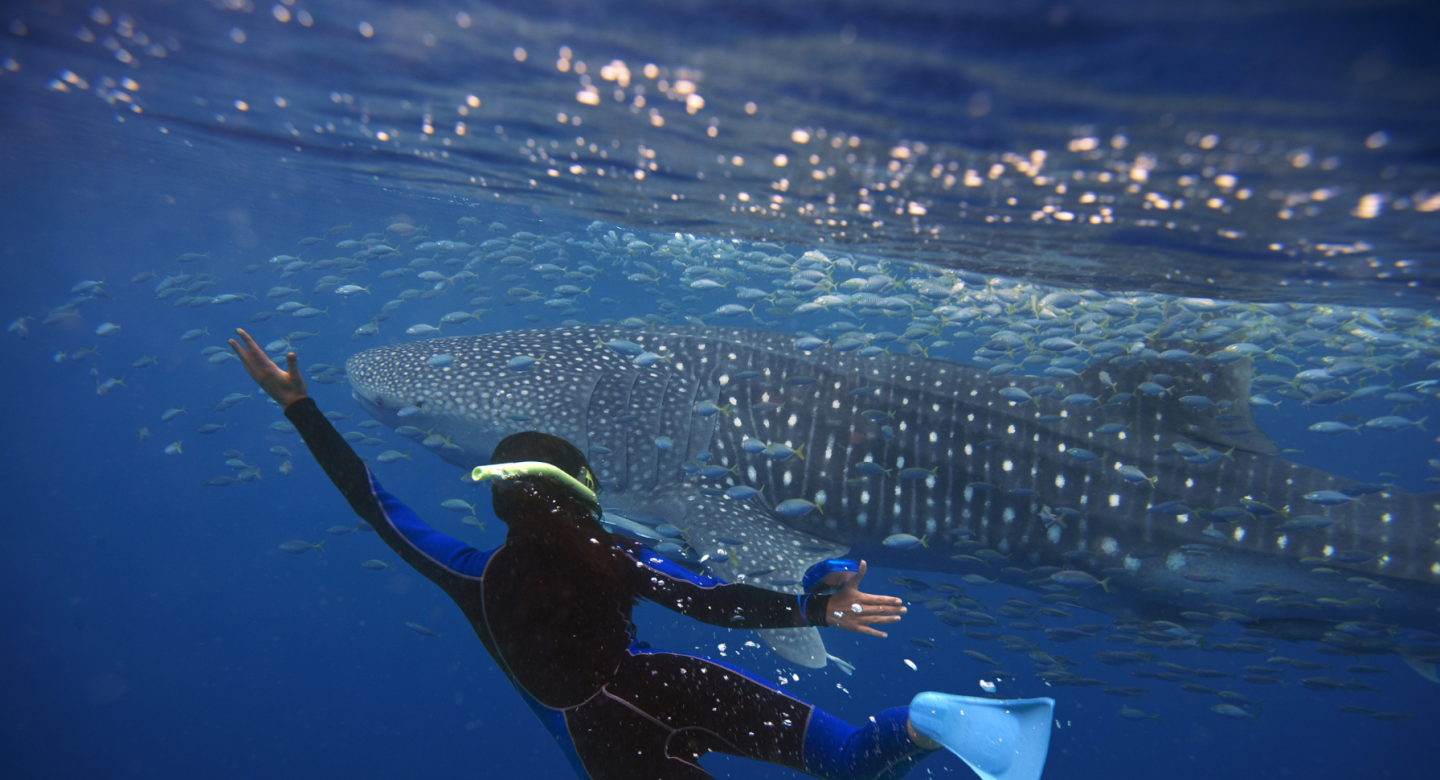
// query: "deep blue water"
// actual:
[[154, 629]]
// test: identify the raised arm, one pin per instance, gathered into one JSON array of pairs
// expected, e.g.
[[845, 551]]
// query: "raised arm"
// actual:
[[736, 605], [444, 560]]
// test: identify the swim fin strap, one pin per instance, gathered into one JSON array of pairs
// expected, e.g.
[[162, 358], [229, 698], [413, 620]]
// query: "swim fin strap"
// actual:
[[1001, 739]]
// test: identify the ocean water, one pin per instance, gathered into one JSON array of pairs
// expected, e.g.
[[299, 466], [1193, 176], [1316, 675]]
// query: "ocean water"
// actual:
[[1186, 156]]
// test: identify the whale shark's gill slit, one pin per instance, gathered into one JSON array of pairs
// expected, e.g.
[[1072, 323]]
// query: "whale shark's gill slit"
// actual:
[[668, 419], [674, 413], [652, 387], [630, 414], [606, 406], [697, 387], [642, 456], [810, 424]]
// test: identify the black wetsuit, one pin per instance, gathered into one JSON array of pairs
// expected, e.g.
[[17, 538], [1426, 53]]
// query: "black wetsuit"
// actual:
[[620, 710]]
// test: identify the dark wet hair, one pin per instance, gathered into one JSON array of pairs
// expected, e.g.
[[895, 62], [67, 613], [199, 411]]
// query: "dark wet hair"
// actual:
[[515, 500], [533, 445], [559, 526]]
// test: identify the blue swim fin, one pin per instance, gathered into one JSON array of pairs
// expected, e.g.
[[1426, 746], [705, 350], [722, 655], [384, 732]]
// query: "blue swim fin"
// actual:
[[1001, 739]]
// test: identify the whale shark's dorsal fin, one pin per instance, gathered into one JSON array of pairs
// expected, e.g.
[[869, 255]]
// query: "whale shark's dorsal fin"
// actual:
[[1225, 426], [1232, 427], [740, 542]]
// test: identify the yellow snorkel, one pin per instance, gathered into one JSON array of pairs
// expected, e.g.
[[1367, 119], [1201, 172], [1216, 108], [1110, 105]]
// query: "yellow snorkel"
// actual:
[[535, 468]]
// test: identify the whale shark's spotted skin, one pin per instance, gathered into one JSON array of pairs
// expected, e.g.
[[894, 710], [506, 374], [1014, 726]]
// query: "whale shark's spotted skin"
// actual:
[[956, 460]]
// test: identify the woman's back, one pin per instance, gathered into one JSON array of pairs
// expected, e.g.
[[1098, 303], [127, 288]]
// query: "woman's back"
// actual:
[[559, 627]]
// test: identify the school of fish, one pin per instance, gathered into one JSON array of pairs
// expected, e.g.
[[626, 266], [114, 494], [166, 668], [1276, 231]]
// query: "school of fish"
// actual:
[[1355, 371]]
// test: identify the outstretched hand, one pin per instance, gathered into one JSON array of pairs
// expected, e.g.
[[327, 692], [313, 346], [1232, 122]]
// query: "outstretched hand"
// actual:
[[286, 387], [855, 611]]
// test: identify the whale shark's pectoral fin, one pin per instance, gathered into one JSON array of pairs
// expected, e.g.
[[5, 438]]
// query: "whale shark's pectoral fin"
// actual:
[[799, 646], [1422, 659], [740, 542]]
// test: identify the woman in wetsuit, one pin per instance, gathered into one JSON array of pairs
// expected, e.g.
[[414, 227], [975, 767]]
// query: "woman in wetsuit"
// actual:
[[552, 605]]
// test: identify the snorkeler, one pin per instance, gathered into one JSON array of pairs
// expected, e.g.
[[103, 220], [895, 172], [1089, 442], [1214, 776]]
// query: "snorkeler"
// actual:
[[552, 605]]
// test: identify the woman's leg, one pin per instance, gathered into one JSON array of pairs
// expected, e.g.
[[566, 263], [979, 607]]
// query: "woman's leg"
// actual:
[[708, 706], [881, 749]]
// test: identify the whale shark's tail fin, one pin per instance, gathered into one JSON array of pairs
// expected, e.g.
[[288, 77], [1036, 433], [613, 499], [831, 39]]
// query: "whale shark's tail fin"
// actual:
[[1001, 739]]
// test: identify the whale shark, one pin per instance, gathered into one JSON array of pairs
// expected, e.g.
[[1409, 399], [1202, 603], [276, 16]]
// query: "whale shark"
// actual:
[[770, 458]]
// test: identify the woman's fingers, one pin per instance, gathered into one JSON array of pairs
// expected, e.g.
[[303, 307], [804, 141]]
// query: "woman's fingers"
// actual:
[[880, 605], [245, 349], [292, 361], [253, 351], [253, 356], [247, 359], [882, 610], [861, 623], [874, 609], [245, 339]]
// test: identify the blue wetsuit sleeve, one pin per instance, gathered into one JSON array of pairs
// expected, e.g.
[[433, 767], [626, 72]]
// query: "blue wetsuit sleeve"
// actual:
[[729, 605], [444, 560]]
